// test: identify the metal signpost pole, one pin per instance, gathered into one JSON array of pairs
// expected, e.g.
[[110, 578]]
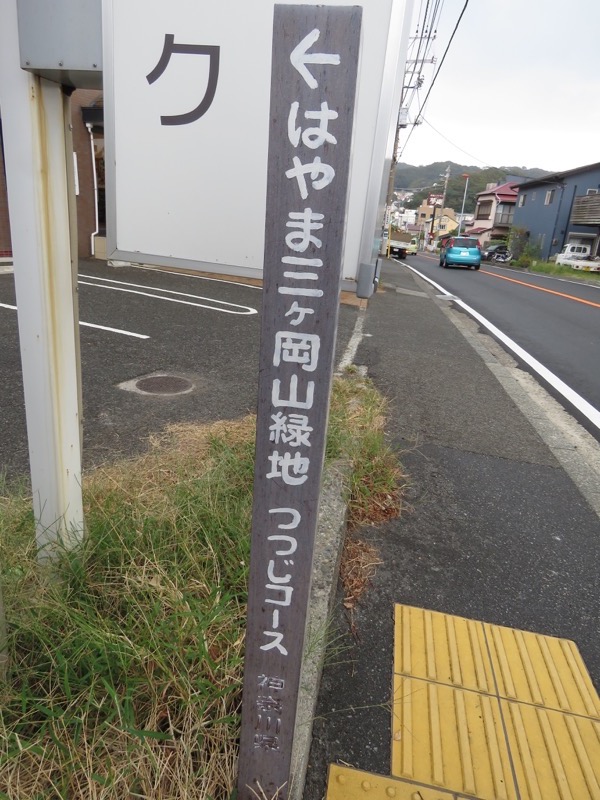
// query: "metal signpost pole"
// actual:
[[314, 70], [33, 118]]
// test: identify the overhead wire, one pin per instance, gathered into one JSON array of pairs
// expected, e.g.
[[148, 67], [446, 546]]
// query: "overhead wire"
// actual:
[[437, 72], [439, 133]]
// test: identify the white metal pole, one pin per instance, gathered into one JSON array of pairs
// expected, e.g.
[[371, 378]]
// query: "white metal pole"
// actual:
[[36, 172]]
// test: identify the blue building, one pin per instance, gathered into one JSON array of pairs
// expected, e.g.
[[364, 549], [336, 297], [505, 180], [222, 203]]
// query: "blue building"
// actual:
[[561, 208]]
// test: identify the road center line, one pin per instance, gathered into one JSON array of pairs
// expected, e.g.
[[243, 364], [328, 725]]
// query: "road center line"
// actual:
[[98, 327], [542, 289], [587, 409]]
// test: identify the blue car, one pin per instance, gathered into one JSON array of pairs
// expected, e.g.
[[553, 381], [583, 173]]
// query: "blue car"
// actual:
[[461, 251]]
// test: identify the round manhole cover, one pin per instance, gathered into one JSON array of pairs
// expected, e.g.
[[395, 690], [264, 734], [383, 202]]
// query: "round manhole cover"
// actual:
[[164, 384]]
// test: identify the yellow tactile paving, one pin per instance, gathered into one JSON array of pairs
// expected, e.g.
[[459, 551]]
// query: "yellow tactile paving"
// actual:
[[541, 670], [556, 756], [492, 712], [451, 738], [484, 712], [442, 648], [346, 783]]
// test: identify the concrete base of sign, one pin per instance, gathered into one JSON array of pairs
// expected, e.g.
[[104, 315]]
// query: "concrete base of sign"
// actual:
[[327, 554]]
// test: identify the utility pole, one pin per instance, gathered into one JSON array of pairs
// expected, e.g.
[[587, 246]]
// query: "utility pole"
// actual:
[[446, 179], [402, 122], [432, 222]]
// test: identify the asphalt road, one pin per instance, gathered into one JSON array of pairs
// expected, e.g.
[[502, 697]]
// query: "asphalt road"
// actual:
[[494, 528], [201, 329], [555, 320]]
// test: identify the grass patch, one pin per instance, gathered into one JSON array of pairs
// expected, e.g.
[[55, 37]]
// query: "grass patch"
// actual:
[[560, 270], [126, 660]]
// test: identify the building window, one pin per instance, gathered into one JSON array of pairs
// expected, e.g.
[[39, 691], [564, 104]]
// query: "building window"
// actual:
[[522, 199], [484, 210], [549, 197], [591, 191], [504, 214], [532, 196]]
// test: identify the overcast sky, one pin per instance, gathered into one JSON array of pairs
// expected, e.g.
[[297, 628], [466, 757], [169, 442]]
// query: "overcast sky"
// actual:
[[520, 86]]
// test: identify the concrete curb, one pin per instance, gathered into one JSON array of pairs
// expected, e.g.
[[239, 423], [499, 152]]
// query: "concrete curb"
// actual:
[[329, 541]]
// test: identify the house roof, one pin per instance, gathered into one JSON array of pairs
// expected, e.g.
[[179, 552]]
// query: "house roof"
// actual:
[[505, 193], [478, 230], [557, 177]]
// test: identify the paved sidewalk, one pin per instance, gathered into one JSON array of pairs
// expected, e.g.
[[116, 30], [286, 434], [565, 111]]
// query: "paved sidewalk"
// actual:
[[496, 531]]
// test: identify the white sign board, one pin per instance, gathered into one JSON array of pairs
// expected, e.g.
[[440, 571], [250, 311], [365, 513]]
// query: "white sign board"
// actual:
[[186, 94]]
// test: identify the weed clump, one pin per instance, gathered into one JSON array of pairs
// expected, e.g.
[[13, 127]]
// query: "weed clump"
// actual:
[[125, 660]]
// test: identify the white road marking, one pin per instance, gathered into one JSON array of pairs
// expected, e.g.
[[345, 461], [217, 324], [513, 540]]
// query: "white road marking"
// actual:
[[234, 308], [91, 325], [352, 346], [197, 277], [587, 409], [114, 330]]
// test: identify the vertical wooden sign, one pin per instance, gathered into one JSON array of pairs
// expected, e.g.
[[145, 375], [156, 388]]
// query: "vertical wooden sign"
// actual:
[[313, 84]]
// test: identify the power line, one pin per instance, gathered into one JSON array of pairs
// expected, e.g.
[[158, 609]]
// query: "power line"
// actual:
[[439, 133], [437, 72], [426, 33], [486, 164]]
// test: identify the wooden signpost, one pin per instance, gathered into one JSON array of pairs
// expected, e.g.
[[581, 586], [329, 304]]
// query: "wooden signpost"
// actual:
[[313, 84]]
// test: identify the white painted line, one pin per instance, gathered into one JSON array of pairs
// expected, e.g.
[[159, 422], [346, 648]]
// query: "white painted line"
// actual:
[[114, 330], [245, 310], [91, 325], [352, 346], [582, 405], [199, 277]]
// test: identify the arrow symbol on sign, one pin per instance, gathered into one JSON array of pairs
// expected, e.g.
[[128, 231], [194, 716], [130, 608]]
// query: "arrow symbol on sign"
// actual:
[[300, 57]]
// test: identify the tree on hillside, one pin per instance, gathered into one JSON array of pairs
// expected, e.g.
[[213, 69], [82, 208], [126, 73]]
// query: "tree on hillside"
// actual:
[[408, 177]]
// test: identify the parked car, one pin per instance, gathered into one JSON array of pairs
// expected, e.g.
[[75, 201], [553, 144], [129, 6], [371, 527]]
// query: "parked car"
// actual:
[[463, 251], [572, 252], [492, 250]]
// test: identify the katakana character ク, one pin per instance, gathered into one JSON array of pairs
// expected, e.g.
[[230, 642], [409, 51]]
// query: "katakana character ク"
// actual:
[[311, 137], [292, 468], [314, 169], [306, 222], [292, 429], [213, 52], [297, 348]]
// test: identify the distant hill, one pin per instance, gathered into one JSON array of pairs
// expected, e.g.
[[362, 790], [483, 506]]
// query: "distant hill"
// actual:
[[410, 177]]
